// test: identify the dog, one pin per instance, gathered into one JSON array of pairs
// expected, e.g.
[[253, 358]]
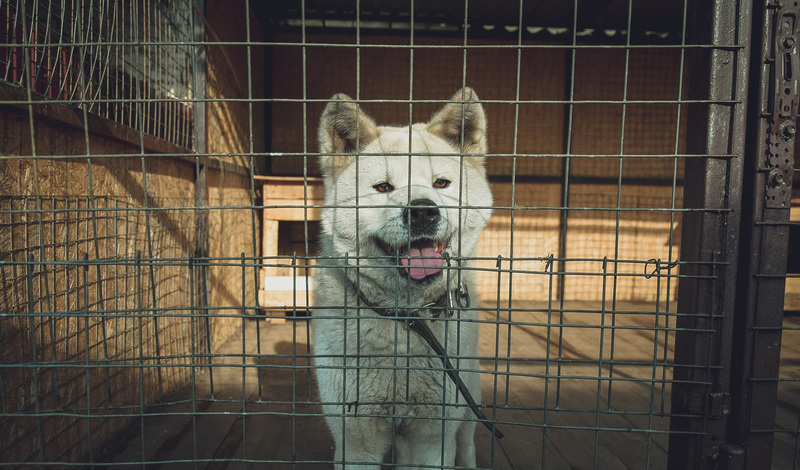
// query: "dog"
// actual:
[[404, 207]]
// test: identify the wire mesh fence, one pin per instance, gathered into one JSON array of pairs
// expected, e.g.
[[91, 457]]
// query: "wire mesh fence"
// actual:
[[162, 210], [100, 56]]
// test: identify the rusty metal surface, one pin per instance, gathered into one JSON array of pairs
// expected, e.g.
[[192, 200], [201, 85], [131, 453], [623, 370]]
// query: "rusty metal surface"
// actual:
[[706, 301], [765, 234]]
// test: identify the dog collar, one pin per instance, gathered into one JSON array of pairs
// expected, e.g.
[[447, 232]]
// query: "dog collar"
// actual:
[[418, 325], [458, 296]]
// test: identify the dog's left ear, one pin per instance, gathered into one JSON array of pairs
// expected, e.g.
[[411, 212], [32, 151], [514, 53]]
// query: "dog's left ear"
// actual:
[[464, 109], [343, 129]]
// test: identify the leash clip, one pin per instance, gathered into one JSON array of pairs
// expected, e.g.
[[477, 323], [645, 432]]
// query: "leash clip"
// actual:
[[461, 299], [463, 295], [429, 306]]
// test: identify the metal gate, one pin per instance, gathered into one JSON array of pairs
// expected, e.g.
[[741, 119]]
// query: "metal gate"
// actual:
[[159, 203], [728, 373]]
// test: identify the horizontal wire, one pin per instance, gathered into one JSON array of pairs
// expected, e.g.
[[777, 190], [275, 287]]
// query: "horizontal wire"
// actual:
[[46, 102], [152, 155], [726, 47]]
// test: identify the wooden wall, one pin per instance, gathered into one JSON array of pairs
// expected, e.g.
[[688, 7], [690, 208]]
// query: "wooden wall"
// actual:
[[233, 129], [109, 211], [76, 190]]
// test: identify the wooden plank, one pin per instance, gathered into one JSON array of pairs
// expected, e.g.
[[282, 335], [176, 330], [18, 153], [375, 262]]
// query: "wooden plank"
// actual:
[[284, 299], [266, 178], [270, 249], [297, 214], [275, 203], [295, 189]]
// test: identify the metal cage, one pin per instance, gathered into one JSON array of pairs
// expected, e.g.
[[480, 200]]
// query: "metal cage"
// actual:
[[160, 201]]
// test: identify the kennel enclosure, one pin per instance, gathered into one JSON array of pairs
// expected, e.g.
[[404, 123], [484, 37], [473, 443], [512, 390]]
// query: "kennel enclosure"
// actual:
[[159, 204]]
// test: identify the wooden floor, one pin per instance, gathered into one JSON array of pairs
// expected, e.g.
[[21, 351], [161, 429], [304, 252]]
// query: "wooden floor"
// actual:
[[619, 422]]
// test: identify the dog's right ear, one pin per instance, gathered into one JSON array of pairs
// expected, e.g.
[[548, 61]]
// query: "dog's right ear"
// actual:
[[343, 129]]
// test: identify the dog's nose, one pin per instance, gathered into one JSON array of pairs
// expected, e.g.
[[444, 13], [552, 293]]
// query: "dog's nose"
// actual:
[[421, 214]]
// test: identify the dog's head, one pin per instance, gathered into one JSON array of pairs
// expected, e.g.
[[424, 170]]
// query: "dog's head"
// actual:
[[404, 198]]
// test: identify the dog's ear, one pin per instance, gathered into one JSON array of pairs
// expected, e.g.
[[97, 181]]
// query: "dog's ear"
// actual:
[[462, 122], [343, 129]]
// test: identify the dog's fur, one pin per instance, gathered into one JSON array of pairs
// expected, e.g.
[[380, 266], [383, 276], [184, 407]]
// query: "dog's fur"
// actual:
[[389, 218]]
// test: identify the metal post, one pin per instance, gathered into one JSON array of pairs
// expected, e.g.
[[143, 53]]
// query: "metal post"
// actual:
[[765, 230], [700, 390]]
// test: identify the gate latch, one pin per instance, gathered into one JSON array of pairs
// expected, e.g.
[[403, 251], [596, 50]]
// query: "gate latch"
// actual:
[[718, 404]]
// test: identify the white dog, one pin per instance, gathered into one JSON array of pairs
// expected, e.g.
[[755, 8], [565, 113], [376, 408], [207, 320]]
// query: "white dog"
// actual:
[[402, 207]]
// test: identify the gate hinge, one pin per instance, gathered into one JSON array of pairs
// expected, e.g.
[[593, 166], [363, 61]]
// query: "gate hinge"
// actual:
[[718, 404], [731, 457], [725, 457], [782, 74]]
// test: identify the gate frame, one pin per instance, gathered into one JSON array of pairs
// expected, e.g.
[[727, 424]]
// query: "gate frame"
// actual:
[[764, 246], [701, 379], [730, 313]]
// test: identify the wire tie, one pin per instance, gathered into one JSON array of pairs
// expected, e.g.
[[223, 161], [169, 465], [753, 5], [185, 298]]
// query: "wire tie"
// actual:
[[658, 267], [548, 262]]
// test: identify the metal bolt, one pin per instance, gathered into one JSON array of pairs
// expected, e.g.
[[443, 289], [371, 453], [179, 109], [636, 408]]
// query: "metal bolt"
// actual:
[[788, 42], [775, 178], [788, 129]]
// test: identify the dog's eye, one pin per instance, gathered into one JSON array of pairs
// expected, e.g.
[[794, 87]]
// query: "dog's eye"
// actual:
[[384, 187], [441, 183]]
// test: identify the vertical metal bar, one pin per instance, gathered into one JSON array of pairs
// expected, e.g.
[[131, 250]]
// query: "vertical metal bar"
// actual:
[[600, 363], [50, 301], [676, 148], [765, 230], [29, 265], [623, 118], [513, 200], [294, 360], [87, 345], [140, 317], [656, 329], [34, 357], [4, 404], [712, 196], [552, 285], [358, 247], [151, 270], [497, 319], [193, 355], [251, 173], [562, 247], [346, 316], [305, 209], [92, 204], [201, 187], [244, 363]]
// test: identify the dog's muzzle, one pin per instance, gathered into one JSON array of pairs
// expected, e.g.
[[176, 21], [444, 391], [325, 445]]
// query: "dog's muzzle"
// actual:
[[421, 217]]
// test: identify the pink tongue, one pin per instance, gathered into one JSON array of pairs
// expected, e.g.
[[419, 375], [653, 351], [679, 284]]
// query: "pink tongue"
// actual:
[[422, 262]]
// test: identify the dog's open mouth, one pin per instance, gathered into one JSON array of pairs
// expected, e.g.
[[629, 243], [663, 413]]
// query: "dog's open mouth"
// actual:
[[420, 258]]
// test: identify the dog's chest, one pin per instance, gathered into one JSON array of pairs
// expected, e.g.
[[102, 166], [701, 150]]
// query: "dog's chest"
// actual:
[[394, 362]]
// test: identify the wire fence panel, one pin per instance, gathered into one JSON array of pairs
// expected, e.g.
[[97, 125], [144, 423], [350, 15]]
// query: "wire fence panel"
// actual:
[[129, 62], [208, 260]]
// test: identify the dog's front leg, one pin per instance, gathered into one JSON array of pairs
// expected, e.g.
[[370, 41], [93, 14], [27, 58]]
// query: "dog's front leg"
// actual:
[[465, 444], [363, 444], [421, 445]]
